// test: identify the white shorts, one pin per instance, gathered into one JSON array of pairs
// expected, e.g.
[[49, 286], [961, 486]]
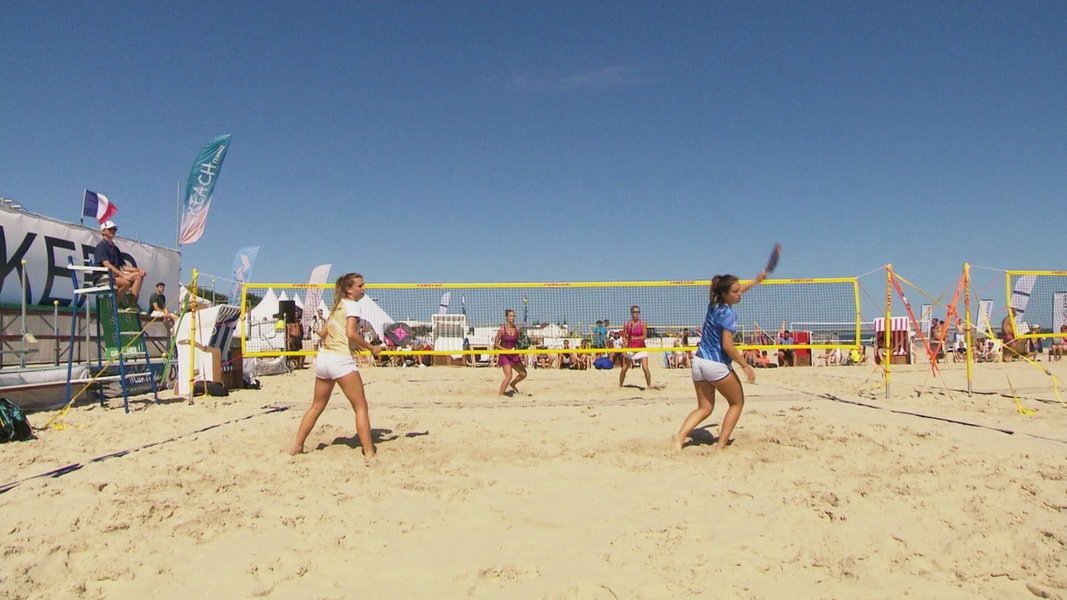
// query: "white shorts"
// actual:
[[709, 370], [636, 356], [334, 366]]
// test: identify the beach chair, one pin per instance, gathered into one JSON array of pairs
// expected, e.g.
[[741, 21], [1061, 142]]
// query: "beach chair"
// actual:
[[448, 333]]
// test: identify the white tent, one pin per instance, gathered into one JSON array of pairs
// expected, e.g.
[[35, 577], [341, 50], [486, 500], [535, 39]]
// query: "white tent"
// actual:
[[374, 315], [183, 295], [267, 308]]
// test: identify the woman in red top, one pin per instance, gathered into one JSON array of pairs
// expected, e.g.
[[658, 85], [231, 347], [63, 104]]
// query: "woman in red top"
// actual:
[[635, 331], [507, 338]]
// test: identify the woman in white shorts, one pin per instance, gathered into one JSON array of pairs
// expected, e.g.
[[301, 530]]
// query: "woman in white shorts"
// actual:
[[335, 364], [711, 363]]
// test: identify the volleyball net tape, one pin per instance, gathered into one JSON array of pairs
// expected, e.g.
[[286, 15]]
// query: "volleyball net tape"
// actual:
[[463, 318]]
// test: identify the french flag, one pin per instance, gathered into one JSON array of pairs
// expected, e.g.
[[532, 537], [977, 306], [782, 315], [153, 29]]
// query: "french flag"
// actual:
[[98, 206]]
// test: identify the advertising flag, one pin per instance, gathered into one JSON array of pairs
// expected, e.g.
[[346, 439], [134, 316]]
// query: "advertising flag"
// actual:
[[97, 206], [242, 271], [200, 188], [525, 308], [319, 276]]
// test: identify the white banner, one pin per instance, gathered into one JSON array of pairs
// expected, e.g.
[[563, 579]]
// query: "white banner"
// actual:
[[1059, 310], [45, 244], [985, 310], [926, 313]]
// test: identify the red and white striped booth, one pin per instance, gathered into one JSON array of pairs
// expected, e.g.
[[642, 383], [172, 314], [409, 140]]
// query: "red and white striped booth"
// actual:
[[899, 338]]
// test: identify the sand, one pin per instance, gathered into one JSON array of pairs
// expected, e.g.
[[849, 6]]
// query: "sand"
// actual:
[[568, 491]]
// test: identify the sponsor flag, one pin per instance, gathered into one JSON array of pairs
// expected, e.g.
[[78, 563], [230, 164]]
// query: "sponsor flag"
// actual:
[[319, 276], [98, 207], [242, 271], [200, 188], [525, 309]]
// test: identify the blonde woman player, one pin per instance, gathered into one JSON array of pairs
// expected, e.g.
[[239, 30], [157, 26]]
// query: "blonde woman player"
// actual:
[[711, 364], [335, 364]]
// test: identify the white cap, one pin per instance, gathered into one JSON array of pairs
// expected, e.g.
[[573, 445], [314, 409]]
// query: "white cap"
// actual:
[[108, 225]]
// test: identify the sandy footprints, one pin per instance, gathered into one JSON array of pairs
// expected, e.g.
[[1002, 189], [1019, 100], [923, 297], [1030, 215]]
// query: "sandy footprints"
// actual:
[[494, 580]]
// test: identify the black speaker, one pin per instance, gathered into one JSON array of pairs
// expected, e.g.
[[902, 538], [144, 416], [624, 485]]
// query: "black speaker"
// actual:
[[287, 310]]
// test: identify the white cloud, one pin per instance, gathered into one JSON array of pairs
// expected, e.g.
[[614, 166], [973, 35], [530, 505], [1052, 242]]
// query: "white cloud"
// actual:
[[600, 78]]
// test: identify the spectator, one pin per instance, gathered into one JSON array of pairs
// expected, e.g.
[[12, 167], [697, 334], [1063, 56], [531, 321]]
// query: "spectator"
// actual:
[[158, 303], [786, 356], [600, 335], [294, 342], [1037, 345], [615, 341], [317, 322], [763, 361], [567, 358], [1059, 347], [685, 346], [584, 359], [1013, 348]]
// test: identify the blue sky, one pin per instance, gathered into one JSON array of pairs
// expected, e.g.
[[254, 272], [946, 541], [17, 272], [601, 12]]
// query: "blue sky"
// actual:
[[554, 141]]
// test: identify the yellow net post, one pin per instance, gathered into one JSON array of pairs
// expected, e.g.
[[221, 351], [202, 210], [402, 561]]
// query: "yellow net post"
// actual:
[[968, 336]]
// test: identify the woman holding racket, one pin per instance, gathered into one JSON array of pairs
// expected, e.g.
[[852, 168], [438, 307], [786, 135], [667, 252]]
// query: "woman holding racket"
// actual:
[[711, 364], [634, 333], [507, 338], [335, 365]]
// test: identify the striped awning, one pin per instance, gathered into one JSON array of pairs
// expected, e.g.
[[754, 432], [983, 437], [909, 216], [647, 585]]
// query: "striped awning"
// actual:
[[896, 324]]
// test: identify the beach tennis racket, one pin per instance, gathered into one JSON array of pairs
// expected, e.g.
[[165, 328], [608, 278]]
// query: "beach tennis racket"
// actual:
[[772, 262]]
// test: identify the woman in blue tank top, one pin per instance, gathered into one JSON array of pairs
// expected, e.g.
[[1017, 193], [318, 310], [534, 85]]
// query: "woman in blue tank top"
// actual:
[[711, 364]]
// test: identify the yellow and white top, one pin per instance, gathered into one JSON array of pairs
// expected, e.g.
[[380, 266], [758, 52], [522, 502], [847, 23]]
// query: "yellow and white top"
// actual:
[[336, 341]]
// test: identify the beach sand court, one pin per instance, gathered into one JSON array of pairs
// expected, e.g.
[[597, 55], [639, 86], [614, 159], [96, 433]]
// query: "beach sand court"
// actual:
[[568, 491]]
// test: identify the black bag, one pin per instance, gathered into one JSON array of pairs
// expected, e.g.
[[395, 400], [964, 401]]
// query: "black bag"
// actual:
[[524, 340], [13, 424], [212, 388]]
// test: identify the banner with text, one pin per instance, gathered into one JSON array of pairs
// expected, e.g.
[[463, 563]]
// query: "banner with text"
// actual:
[[45, 244], [200, 188]]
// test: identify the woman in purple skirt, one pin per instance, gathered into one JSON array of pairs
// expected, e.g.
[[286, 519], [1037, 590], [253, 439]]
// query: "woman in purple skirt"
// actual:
[[507, 338]]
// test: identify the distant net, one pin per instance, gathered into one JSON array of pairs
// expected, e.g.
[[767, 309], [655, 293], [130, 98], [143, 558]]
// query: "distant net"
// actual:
[[1037, 302], [462, 319]]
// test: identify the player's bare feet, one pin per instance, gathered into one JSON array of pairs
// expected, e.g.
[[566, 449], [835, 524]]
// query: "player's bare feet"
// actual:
[[296, 450], [676, 442]]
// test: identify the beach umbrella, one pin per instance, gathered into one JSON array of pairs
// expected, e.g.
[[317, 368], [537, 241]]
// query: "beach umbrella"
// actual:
[[399, 334]]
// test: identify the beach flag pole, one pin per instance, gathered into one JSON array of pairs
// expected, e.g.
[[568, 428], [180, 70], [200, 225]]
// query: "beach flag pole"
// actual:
[[192, 334], [887, 352]]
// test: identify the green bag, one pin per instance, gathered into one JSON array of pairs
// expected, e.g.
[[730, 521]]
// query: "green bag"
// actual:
[[13, 424], [524, 340]]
